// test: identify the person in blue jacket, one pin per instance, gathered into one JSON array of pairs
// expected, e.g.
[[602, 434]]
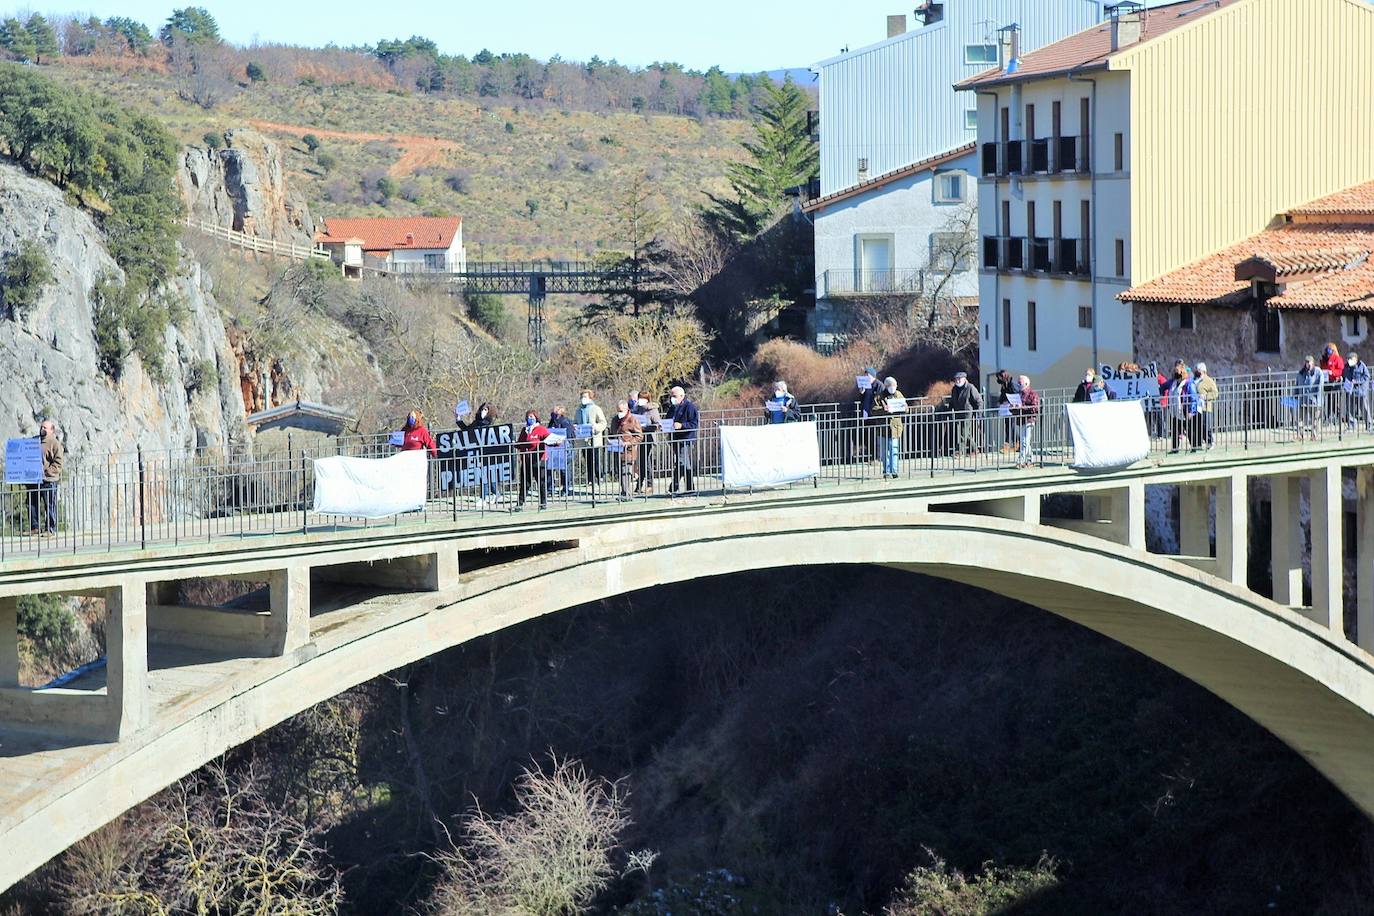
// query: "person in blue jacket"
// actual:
[[781, 407], [682, 421]]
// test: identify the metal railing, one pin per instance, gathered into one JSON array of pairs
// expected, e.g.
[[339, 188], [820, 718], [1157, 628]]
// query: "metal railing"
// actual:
[[848, 283], [145, 499]]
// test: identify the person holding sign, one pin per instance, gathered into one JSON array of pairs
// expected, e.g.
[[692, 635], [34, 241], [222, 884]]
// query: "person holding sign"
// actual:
[[626, 437], [1207, 394], [530, 450], [415, 435], [890, 401], [646, 412], [1307, 394], [1181, 403], [782, 407], [1356, 386], [560, 425], [1026, 411], [682, 421], [43, 494], [589, 413], [967, 403]]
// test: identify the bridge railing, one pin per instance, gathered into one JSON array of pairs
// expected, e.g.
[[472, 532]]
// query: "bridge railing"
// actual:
[[170, 497]]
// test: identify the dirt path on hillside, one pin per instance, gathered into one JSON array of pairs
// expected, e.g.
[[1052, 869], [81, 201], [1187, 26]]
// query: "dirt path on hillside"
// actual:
[[417, 152]]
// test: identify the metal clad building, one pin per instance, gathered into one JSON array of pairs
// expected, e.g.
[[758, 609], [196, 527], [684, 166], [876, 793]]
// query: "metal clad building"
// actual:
[[892, 104]]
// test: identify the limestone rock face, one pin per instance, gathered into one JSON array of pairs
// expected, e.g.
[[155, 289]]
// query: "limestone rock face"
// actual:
[[243, 187], [48, 357]]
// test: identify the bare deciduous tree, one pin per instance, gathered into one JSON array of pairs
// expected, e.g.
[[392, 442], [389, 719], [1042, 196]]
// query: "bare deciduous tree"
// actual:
[[550, 857]]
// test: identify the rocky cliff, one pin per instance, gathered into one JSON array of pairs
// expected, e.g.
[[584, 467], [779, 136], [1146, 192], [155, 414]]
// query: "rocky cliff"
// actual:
[[243, 187], [49, 358]]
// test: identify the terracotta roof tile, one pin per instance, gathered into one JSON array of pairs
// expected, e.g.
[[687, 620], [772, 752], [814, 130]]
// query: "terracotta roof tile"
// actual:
[[1092, 47], [1356, 201], [391, 234], [934, 162]]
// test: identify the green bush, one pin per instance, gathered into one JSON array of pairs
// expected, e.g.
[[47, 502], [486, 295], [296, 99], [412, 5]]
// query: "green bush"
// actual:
[[254, 73], [489, 312], [213, 140], [311, 142], [386, 186], [45, 619], [326, 161], [202, 376], [118, 162], [107, 310], [938, 890], [24, 276]]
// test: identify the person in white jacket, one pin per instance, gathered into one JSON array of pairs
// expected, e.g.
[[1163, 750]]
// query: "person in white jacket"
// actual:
[[589, 413]]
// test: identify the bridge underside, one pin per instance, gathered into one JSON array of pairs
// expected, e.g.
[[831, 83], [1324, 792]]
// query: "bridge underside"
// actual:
[[343, 610]]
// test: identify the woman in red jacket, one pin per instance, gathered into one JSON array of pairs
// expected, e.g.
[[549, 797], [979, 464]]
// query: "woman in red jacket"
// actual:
[[416, 437], [1334, 367], [529, 448]]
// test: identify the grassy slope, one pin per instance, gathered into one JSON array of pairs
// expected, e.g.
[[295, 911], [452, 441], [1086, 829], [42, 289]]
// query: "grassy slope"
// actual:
[[577, 209]]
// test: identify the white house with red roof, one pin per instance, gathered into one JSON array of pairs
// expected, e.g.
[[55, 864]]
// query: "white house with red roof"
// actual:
[[406, 244]]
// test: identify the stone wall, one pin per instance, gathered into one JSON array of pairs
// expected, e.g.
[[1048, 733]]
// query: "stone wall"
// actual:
[[244, 188], [1224, 338]]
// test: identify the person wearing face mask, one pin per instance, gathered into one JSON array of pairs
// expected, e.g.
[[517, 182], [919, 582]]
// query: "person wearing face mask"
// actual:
[[485, 463], [1182, 408], [560, 423], [1007, 385], [589, 413], [1357, 399], [416, 435], [1333, 368], [966, 402], [1207, 394], [1083, 393], [628, 435], [1307, 392], [1026, 416], [891, 402], [682, 420], [646, 412], [529, 449], [782, 407]]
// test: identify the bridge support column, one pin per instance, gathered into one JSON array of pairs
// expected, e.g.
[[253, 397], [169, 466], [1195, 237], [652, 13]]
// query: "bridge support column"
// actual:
[[1364, 562], [1194, 516], [126, 658], [1128, 511], [1328, 560], [9, 642], [1233, 529], [289, 599], [1286, 546]]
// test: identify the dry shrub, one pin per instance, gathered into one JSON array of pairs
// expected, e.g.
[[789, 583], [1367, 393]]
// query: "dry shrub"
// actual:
[[652, 352], [550, 857], [938, 890], [811, 377]]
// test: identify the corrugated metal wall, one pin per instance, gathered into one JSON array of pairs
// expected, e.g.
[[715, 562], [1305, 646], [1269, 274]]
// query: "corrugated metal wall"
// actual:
[[893, 104], [1254, 110]]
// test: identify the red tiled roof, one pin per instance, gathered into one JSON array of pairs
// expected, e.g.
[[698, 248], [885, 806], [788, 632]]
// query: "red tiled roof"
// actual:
[[391, 234], [1356, 201], [1322, 262], [934, 162], [1092, 47]]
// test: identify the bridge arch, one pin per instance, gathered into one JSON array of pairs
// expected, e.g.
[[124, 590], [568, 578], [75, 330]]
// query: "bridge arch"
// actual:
[[1313, 691]]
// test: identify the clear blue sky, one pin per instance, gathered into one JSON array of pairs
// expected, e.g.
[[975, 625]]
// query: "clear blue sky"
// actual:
[[740, 35]]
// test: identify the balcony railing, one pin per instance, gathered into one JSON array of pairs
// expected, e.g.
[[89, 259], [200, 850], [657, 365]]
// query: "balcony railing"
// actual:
[[1040, 259], [1070, 155], [1004, 253], [1012, 158], [990, 159], [1038, 156], [1064, 257], [1070, 257], [1045, 156], [841, 284]]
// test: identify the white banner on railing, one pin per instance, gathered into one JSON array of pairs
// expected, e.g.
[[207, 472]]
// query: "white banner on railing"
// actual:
[[760, 456], [371, 487], [1110, 434]]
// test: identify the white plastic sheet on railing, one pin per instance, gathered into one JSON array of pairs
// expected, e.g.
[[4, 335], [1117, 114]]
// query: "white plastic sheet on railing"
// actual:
[[761, 456], [371, 487], [1109, 434]]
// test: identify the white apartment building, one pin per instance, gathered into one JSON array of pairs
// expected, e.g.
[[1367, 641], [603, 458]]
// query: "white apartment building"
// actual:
[[897, 161]]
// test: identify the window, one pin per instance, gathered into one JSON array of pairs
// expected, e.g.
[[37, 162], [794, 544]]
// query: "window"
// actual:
[[1354, 328], [1268, 331], [1030, 326], [1120, 258], [863, 169], [1119, 153], [949, 187], [951, 251], [971, 119], [434, 262], [1181, 318], [1006, 322], [982, 55], [1085, 316]]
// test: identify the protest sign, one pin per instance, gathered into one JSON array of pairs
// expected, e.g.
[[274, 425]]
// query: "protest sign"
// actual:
[[469, 456], [23, 460]]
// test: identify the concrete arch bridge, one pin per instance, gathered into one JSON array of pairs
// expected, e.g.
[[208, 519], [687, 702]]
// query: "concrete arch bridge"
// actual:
[[183, 684]]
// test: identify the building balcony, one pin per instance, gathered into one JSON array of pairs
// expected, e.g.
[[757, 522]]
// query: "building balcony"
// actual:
[[1038, 157], [1045, 156], [1004, 253], [850, 284]]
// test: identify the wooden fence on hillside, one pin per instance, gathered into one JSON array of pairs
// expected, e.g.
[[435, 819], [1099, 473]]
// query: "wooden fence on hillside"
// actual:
[[256, 243]]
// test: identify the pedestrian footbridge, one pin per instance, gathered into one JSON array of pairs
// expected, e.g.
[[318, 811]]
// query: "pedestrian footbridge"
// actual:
[[347, 603]]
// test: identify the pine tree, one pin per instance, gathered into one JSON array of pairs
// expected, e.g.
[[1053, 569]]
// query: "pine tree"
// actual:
[[43, 37], [782, 156], [16, 40]]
